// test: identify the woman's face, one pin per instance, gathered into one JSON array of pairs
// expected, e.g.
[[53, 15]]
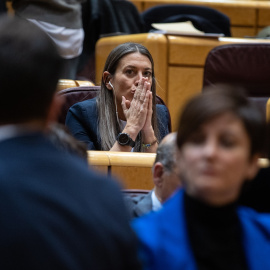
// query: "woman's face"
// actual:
[[131, 68], [215, 161]]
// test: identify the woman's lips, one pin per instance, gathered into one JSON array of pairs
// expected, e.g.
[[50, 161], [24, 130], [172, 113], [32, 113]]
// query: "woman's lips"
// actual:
[[209, 172]]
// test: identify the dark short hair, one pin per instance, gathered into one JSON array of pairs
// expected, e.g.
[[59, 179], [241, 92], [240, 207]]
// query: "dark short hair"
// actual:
[[166, 154], [30, 69], [213, 102]]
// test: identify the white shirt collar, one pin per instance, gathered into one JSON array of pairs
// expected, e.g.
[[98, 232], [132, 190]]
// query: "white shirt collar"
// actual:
[[156, 204], [12, 130]]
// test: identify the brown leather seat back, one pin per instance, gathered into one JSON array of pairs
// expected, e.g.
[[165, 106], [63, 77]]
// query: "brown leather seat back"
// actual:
[[74, 95], [246, 65]]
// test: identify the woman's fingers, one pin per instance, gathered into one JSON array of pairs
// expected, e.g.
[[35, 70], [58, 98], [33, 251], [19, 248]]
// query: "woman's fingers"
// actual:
[[127, 104], [123, 103], [139, 89]]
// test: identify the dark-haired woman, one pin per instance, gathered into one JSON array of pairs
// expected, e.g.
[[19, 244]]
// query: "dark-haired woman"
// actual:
[[219, 141], [124, 117]]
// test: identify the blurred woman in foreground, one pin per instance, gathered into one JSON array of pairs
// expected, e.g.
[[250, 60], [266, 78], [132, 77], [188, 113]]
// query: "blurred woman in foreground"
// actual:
[[220, 138]]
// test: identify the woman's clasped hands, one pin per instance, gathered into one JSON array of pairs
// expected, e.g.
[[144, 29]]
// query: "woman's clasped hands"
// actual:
[[138, 112]]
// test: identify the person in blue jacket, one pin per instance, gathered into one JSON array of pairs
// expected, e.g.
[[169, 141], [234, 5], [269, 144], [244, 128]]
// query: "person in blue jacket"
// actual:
[[219, 141], [124, 117]]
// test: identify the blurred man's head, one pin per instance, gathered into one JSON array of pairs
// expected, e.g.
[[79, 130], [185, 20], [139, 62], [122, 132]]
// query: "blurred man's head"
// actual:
[[165, 175], [29, 71]]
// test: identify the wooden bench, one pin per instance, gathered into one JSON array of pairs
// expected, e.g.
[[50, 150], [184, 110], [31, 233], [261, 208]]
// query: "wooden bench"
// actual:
[[247, 17], [179, 63], [133, 170]]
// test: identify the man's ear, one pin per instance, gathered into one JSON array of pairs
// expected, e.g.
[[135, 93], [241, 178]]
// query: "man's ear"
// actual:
[[106, 78], [158, 171], [253, 167], [55, 108]]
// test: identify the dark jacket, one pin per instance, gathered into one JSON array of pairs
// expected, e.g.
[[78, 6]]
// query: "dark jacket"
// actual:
[[57, 214], [82, 121]]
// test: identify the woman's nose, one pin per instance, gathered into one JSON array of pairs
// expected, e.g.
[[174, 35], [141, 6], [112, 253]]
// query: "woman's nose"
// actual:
[[210, 149], [138, 78]]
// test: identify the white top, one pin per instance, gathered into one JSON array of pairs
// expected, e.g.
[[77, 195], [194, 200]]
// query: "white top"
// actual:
[[156, 204], [68, 41]]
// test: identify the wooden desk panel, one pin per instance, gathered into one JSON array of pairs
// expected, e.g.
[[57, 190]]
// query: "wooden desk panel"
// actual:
[[190, 50], [133, 177], [263, 17], [244, 31], [184, 82], [132, 170]]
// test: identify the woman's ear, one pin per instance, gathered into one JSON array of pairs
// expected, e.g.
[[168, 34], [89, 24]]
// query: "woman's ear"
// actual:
[[253, 167], [106, 79]]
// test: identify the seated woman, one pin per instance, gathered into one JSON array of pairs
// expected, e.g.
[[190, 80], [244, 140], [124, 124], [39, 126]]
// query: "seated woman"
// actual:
[[219, 140], [124, 116]]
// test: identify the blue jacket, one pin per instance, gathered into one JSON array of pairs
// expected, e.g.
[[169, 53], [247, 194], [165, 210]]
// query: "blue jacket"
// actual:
[[82, 121], [164, 242], [56, 213]]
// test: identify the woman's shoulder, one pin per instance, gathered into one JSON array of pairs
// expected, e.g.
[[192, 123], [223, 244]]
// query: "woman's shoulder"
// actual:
[[86, 105], [251, 216]]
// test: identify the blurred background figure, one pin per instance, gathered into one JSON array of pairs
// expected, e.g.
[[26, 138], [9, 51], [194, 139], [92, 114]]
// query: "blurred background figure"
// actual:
[[62, 21], [55, 212], [165, 177], [219, 139]]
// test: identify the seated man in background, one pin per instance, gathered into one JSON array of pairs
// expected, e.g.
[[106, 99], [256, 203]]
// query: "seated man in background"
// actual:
[[55, 213], [165, 178]]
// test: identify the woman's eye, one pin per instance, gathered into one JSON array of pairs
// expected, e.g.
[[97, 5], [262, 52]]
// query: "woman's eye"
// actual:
[[197, 139], [147, 74], [228, 143], [129, 71]]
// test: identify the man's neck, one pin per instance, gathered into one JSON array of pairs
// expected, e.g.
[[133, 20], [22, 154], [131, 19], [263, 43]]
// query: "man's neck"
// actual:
[[12, 130]]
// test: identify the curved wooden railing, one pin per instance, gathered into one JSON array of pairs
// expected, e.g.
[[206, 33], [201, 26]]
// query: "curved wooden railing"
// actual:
[[134, 170], [65, 83]]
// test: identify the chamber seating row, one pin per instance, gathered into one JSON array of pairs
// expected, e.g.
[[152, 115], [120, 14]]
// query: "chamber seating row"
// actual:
[[247, 17], [179, 63]]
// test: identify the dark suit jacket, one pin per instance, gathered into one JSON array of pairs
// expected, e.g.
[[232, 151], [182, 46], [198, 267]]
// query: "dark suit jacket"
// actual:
[[56, 213], [82, 121]]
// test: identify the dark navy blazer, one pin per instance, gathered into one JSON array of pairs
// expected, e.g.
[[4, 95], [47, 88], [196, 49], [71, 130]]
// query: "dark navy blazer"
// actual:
[[56, 213], [82, 121], [165, 244]]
